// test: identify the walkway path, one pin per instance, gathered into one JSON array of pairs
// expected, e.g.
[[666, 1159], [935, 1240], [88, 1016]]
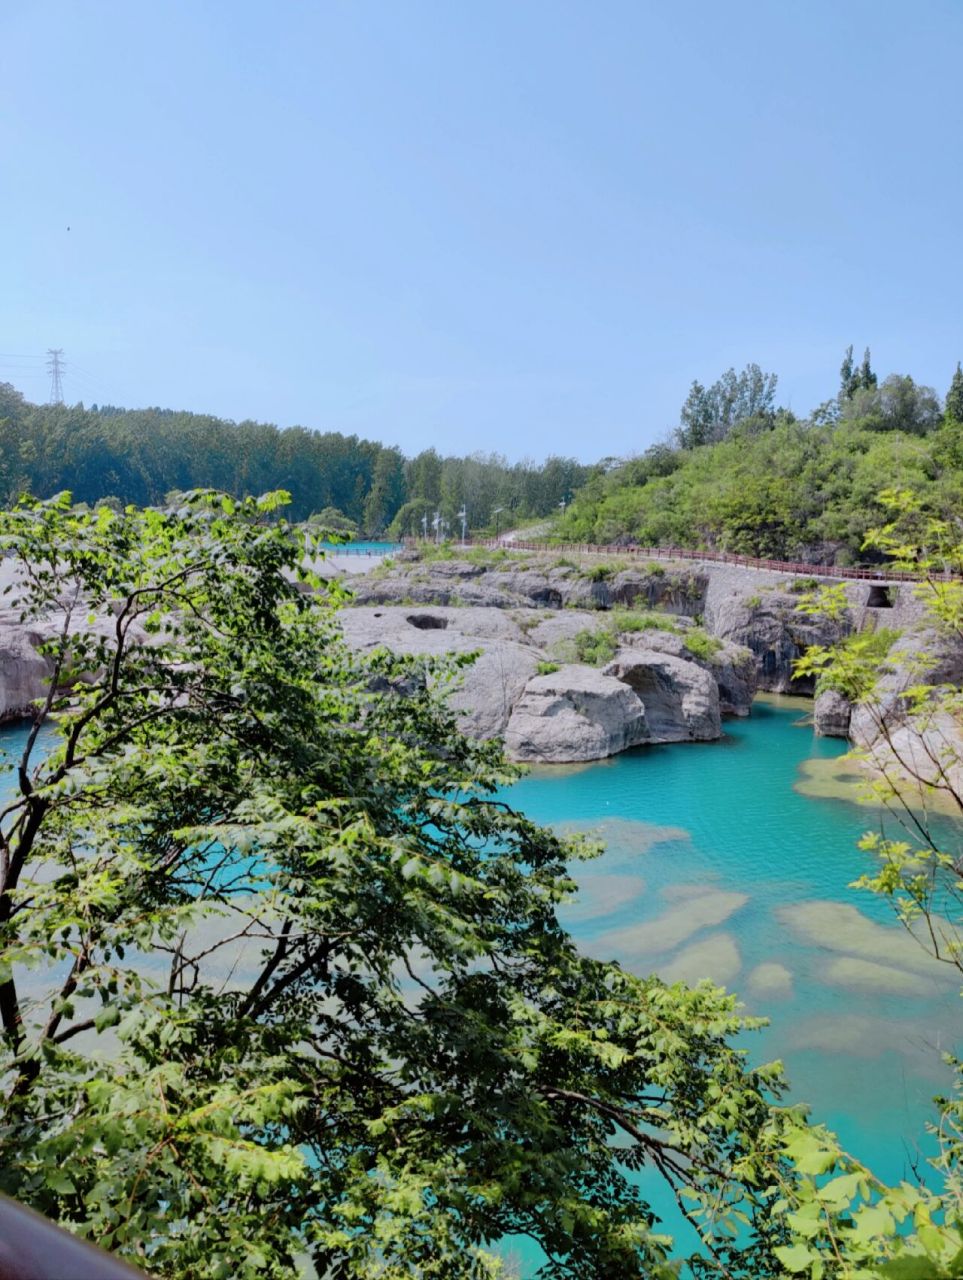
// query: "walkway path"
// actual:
[[882, 574]]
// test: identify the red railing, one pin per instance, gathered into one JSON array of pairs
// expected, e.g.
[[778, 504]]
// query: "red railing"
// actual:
[[31, 1248], [877, 574]]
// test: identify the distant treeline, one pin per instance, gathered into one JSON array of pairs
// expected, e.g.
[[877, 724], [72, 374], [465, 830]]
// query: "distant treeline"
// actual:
[[141, 455]]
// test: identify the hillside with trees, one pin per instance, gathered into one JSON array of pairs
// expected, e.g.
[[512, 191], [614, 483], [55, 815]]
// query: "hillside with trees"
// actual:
[[140, 455], [743, 475]]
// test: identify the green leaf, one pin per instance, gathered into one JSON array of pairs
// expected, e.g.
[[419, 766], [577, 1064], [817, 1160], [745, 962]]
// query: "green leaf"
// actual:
[[795, 1257]]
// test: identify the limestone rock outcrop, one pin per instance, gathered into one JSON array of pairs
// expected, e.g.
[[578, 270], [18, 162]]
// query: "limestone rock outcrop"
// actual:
[[732, 667], [681, 699], [575, 713], [489, 688], [23, 671], [772, 626], [832, 713], [653, 691], [536, 583]]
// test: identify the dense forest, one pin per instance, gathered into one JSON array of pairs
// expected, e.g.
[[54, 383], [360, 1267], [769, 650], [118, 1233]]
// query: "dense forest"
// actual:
[[741, 474], [139, 456]]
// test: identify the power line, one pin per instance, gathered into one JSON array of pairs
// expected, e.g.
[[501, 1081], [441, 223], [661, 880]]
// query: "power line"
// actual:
[[55, 369]]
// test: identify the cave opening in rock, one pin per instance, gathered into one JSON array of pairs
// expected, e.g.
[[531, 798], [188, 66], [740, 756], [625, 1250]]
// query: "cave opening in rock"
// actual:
[[427, 621]]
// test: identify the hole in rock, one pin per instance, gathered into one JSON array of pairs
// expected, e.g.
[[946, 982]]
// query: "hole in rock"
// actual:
[[427, 621]]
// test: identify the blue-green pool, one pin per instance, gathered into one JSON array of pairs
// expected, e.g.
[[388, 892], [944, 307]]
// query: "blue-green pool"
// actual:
[[363, 548], [718, 866]]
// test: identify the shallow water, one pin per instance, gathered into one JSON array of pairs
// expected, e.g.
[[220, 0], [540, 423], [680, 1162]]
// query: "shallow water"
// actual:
[[717, 865]]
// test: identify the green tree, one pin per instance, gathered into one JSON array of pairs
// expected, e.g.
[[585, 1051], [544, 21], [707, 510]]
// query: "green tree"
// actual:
[[848, 377], [920, 868], [954, 397], [386, 493], [413, 520], [331, 520], [710, 413], [867, 378], [279, 977]]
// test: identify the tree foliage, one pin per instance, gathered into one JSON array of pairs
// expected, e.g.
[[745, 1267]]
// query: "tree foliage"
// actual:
[[710, 413], [279, 977], [954, 397], [916, 768], [139, 456]]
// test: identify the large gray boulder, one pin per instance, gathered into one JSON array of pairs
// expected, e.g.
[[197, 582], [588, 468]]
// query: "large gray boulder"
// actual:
[[24, 673], [733, 667], [908, 739], [575, 713], [921, 656], [681, 700], [486, 691], [832, 713]]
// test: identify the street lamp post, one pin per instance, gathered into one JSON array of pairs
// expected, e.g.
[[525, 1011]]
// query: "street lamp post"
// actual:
[[463, 515], [496, 513]]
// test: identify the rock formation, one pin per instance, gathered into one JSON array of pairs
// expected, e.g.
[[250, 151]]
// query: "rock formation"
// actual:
[[575, 713], [681, 699], [832, 713], [653, 691]]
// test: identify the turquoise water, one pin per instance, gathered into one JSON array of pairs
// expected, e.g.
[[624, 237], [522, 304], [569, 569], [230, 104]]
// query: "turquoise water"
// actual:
[[717, 866], [355, 548]]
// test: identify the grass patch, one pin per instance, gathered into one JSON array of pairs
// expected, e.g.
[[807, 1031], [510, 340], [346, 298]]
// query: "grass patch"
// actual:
[[593, 648], [701, 645], [632, 620], [546, 668]]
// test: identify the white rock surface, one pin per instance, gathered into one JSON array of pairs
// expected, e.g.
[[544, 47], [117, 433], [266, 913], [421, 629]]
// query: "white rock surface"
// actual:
[[575, 713]]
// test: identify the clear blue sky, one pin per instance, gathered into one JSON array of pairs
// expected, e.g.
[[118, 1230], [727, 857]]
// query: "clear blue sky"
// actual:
[[523, 225]]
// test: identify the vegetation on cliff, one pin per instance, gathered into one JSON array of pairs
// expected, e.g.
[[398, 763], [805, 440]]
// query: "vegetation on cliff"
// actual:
[[742, 475]]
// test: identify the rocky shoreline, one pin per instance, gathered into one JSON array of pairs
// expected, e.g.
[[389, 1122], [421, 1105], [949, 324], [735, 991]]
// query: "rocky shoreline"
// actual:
[[579, 661], [638, 653]]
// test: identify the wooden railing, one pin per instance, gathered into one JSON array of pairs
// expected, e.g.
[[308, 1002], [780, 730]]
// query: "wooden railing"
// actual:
[[31, 1248], [881, 573]]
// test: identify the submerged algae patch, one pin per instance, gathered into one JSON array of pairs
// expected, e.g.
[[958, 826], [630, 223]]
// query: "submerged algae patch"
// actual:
[[871, 976], [600, 894], [839, 927], [770, 979], [849, 778], [673, 927], [623, 835], [716, 958]]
